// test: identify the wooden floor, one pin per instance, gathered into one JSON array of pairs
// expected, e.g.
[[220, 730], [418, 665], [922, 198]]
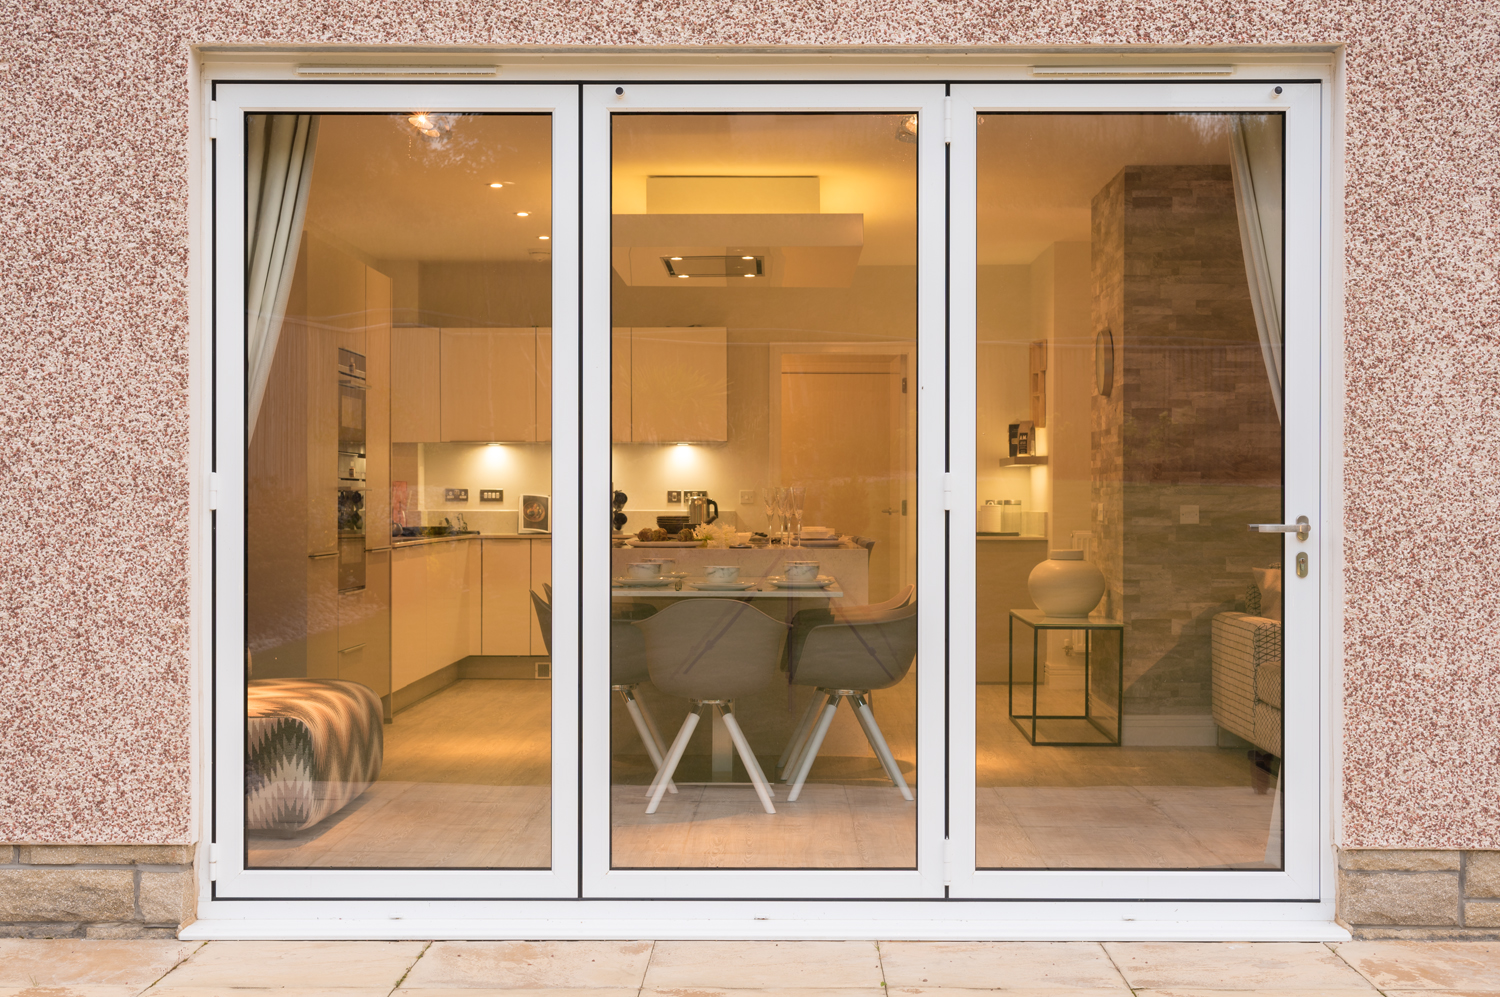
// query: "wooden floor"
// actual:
[[467, 772]]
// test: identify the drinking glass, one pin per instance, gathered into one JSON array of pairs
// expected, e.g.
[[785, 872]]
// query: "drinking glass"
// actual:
[[768, 498]]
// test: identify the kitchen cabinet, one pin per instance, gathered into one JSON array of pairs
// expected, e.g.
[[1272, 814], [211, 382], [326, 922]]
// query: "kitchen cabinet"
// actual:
[[541, 574], [323, 616], [678, 385], [435, 608], [544, 385], [377, 409], [364, 634], [506, 599], [619, 397], [416, 409], [488, 384]]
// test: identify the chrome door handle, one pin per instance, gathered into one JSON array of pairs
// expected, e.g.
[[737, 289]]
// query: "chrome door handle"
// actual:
[[1301, 527]]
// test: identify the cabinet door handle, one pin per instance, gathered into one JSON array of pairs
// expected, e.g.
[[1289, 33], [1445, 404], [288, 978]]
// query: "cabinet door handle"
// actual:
[[1301, 527]]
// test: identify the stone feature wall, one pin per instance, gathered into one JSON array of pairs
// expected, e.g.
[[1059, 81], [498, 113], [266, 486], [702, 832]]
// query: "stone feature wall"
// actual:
[[95, 891], [1411, 893], [1187, 447]]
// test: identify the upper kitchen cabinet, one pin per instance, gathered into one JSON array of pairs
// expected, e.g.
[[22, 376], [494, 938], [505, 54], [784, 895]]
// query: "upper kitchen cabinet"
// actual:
[[488, 385], [378, 409], [544, 385], [416, 412], [677, 389]]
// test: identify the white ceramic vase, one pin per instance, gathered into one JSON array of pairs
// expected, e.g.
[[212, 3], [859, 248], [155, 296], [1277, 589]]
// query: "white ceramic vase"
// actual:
[[1066, 585]]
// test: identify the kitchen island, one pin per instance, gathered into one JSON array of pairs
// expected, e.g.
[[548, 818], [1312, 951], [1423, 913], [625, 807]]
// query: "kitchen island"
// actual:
[[850, 564]]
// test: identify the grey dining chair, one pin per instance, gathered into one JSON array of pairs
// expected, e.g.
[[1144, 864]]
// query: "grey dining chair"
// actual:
[[809, 618], [846, 659], [708, 651]]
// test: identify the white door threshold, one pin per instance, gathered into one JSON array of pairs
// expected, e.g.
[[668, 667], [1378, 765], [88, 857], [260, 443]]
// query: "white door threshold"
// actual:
[[935, 920]]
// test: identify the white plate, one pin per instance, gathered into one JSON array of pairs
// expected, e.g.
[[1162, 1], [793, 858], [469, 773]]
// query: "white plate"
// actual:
[[782, 582], [721, 586], [664, 543], [641, 583]]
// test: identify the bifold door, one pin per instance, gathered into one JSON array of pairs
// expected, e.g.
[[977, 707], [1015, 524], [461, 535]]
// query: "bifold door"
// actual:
[[1134, 587], [962, 453], [397, 356], [763, 328]]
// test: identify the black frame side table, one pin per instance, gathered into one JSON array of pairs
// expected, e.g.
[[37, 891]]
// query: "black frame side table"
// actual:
[[1038, 622]]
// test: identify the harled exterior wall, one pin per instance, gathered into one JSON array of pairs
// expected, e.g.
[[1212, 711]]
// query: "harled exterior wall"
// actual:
[[94, 567]]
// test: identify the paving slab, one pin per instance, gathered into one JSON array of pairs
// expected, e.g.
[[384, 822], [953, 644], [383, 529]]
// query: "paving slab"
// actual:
[[51, 962], [304, 965], [1004, 965], [1426, 966], [531, 965], [1234, 966], [757, 965]]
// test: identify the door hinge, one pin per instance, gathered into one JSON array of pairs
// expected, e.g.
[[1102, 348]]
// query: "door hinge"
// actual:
[[213, 119], [947, 491], [213, 489], [947, 862], [947, 120], [213, 861]]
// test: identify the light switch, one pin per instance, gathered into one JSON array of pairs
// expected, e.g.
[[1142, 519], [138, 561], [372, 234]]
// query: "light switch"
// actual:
[[747, 496], [674, 498]]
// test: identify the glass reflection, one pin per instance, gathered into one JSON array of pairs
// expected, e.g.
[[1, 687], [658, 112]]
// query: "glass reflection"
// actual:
[[1129, 425], [763, 630], [398, 467]]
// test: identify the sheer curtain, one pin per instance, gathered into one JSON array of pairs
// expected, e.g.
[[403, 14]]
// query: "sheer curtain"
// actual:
[[278, 173], [1255, 158]]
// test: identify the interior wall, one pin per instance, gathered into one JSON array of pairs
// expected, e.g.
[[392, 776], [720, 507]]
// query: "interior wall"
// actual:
[[515, 468], [1188, 444]]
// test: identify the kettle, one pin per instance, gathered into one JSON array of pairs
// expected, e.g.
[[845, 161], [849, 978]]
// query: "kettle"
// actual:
[[699, 506]]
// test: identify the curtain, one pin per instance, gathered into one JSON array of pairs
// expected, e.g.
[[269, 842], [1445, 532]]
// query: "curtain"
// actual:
[[1255, 159], [278, 172]]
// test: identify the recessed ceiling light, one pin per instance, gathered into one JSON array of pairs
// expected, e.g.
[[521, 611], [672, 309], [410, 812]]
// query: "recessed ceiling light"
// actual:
[[747, 257], [544, 237], [497, 186], [523, 214], [682, 276], [677, 259], [748, 275]]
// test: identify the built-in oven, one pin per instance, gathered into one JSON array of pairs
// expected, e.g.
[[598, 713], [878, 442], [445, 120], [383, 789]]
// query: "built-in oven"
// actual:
[[352, 480]]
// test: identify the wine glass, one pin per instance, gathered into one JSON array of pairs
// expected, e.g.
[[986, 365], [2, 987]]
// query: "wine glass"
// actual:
[[794, 498], [768, 498]]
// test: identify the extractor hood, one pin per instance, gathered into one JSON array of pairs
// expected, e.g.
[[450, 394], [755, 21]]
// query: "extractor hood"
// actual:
[[802, 249]]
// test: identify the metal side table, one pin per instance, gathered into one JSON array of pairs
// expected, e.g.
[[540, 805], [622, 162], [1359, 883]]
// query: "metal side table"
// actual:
[[1039, 622]]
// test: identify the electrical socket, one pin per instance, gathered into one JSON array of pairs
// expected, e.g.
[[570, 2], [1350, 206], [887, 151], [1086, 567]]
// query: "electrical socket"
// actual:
[[455, 495], [674, 498], [747, 496]]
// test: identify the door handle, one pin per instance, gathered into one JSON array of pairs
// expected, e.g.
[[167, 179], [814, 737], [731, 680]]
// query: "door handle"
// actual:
[[1301, 527]]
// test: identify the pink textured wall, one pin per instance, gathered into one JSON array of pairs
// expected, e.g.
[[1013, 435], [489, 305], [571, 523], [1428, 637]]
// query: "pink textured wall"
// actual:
[[94, 728]]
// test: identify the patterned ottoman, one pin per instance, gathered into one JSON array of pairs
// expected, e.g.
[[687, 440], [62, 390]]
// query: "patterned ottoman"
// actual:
[[312, 746]]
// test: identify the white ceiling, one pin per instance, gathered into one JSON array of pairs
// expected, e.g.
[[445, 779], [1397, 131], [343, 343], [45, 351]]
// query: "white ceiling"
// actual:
[[1038, 173], [395, 194]]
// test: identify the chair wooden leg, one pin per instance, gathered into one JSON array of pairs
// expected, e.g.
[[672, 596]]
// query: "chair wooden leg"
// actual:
[[799, 736], [645, 729], [866, 718], [762, 788], [810, 753], [669, 765]]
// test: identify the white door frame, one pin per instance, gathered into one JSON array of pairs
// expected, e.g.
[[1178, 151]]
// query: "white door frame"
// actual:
[[599, 103], [231, 878], [1305, 807]]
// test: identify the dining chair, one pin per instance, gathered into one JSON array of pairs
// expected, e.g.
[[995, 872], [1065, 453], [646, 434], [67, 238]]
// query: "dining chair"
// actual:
[[709, 651], [543, 609], [804, 621], [627, 671], [847, 659]]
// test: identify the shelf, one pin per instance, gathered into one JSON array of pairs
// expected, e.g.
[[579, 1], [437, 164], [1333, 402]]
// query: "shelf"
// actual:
[[1031, 460]]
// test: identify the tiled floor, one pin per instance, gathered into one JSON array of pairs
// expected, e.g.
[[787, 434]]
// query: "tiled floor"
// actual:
[[71, 968]]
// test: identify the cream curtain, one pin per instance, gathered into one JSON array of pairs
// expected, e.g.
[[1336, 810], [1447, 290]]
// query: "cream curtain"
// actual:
[[1255, 158], [278, 173]]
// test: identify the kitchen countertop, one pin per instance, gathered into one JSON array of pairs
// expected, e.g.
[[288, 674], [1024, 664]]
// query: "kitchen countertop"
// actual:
[[419, 541]]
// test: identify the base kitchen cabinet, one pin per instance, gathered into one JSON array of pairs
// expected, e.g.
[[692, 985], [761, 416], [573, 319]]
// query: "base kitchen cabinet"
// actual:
[[435, 617], [365, 627], [506, 598]]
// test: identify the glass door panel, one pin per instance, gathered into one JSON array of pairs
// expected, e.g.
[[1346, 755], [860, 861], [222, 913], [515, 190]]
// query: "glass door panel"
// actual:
[[1130, 376], [398, 704], [761, 587]]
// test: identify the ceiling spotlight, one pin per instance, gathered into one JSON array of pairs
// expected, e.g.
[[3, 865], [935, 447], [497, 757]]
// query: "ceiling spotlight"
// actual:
[[544, 237], [906, 131], [747, 257], [497, 186], [677, 259], [523, 214], [682, 276], [748, 275]]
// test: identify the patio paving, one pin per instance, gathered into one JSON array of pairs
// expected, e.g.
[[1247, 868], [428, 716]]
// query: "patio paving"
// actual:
[[87, 968]]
